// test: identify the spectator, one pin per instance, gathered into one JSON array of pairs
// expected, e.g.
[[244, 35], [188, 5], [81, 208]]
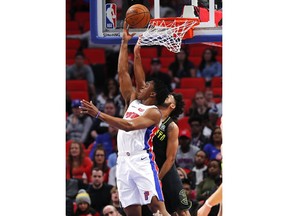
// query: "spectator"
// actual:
[[186, 151], [191, 196], [107, 140], [198, 139], [156, 72], [181, 67], [210, 184], [214, 120], [78, 166], [209, 67], [209, 97], [199, 107], [77, 124], [116, 202], [83, 203], [82, 71], [100, 162], [182, 174], [99, 126], [213, 149], [99, 191], [111, 91], [199, 171], [110, 210]]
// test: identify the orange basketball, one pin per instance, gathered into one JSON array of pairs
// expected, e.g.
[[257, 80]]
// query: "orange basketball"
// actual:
[[137, 16]]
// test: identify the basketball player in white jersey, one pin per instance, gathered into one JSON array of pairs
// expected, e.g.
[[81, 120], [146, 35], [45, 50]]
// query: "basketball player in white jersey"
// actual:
[[137, 173]]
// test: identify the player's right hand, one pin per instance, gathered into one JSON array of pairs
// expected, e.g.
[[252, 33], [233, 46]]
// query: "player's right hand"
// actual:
[[126, 35]]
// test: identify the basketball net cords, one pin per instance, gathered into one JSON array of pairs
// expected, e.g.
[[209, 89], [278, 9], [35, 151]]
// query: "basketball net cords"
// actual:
[[169, 35]]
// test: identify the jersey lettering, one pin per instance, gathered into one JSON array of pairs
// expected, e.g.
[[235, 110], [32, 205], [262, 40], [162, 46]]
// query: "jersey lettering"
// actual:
[[131, 115], [146, 195], [160, 135]]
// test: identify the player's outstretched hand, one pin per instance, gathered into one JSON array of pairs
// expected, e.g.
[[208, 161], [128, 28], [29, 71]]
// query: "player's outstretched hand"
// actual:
[[126, 35], [88, 108]]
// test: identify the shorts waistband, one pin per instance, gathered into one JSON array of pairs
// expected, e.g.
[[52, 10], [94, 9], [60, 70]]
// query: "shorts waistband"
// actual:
[[132, 153]]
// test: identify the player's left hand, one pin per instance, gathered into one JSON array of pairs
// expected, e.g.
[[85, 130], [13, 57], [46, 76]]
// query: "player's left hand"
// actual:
[[88, 108]]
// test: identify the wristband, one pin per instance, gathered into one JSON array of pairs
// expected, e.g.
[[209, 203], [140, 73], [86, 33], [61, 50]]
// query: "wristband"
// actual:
[[206, 203], [98, 114]]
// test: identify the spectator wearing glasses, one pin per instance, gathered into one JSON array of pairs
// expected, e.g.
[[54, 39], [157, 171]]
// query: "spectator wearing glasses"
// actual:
[[99, 191], [100, 162]]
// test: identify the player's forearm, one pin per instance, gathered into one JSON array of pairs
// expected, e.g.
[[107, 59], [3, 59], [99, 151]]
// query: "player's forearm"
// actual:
[[116, 122], [138, 70], [123, 58]]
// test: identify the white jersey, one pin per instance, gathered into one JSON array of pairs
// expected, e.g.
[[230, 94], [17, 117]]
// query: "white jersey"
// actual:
[[136, 140]]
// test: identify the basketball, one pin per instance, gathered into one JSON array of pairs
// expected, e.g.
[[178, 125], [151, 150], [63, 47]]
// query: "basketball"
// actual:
[[137, 16]]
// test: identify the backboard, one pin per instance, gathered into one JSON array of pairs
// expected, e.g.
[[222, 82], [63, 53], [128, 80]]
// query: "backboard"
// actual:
[[106, 19]]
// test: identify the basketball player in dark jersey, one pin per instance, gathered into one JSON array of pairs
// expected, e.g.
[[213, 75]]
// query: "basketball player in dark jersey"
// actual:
[[165, 144]]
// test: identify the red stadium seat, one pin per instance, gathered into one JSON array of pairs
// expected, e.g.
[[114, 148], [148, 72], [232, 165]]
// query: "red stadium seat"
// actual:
[[146, 63], [217, 92], [166, 61], [73, 44], [76, 85], [193, 82], [70, 53], [166, 53], [186, 93], [95, 55], [216, 82], [151, 52], [81, 17], [70, 62], [72, 25], [79, 95]]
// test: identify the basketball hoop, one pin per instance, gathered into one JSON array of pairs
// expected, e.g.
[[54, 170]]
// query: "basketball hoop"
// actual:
[[168, 32]]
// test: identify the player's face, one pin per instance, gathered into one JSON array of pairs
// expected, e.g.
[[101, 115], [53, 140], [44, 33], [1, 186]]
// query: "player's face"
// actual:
[[146, 91], [83, 206], [170, 101], [75, 149]]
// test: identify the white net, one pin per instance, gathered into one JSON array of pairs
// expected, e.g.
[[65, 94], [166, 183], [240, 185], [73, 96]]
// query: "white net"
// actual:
[[167, 33]]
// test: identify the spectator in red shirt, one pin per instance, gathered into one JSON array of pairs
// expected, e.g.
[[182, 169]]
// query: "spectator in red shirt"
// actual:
[[78, 166], [100, 162]]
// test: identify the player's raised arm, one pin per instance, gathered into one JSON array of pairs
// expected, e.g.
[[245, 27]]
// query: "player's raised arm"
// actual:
[[138, 68], [125, 82], [152, 117]]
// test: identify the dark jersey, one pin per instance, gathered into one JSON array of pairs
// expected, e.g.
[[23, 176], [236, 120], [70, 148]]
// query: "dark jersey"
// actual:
[[175, 196], [160, 142]]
